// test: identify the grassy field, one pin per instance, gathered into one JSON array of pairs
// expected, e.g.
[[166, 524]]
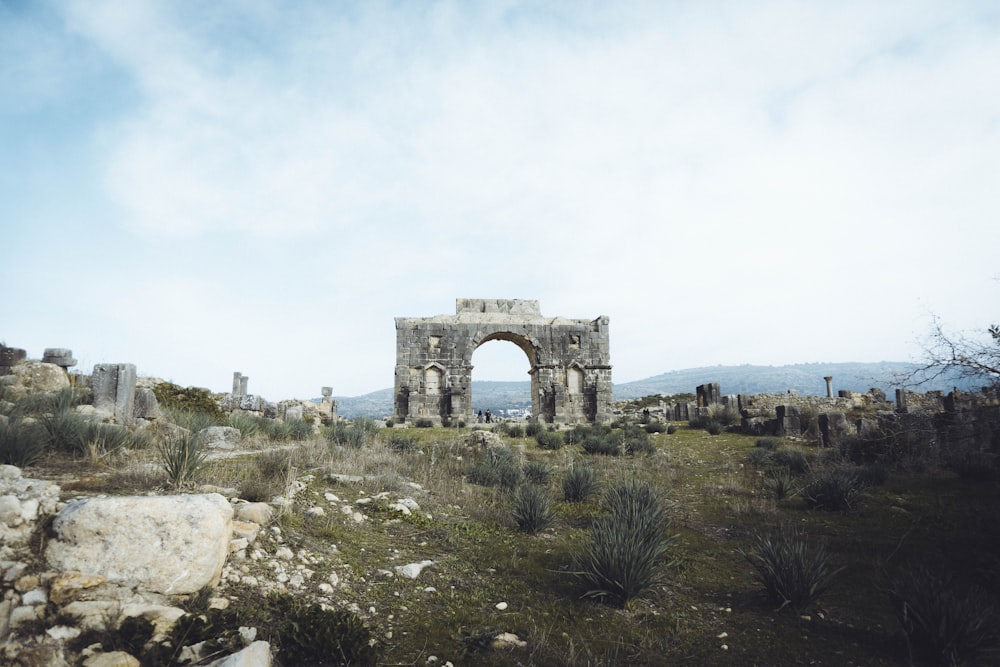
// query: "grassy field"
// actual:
[[708, 607]]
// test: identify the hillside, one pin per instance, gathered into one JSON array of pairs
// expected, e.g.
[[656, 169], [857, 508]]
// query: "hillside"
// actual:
[[746, 379]]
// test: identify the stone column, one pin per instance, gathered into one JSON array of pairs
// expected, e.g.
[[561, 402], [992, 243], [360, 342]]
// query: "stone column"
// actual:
[[114, 390], [10, 357], [829, 386], [244, 381], [237, 382], [59, 356]]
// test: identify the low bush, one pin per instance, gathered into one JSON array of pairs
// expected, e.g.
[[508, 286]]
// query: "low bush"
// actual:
[[354, 434], [424, 422], [671, 429], [793, 571], [538, 472], [532, 427], [945, 621], [796, 462], [628, 546], [183, 459], [655, 427], [974, 466], [579, 483], [498, 466], [769, 444], [190, 399], [834, 489], [549, 439], [780, 482], [532, 510], [22, 444], [601, 444]]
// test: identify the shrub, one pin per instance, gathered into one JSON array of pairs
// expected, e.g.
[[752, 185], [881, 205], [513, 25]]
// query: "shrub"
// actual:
[[497, 467], [191, 399], [182, 458], [759, 457], [532, 509], [247, 425], [538, 472], [656, 427], [532, 427], [193, 421], [769, 444], [401, 443], [974, 466], [605, 445], [834, 490], [714, 427], [549, 439], [267, 476], [793, 571], [671, 429], [910, 445], [725, 415], [424, 422], [627, 546], [579, 483], [945, 622], [22, 444], [780, 483], [796, 462], [351, 434], [636, 441], [300, 429]]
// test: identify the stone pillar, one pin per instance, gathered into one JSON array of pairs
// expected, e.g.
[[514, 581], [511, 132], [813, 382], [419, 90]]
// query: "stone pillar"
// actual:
[[59, 356], [237, 383], [900, 400], [10, 357], [244, 381], [707, 394], [788, 421], [829, 386], [114, 390]]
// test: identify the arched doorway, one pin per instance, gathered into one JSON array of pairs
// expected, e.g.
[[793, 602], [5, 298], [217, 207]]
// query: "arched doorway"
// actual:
[[501, 379], [569, 361]]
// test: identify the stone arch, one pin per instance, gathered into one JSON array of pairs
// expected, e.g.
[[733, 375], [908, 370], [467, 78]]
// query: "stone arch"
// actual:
[[569, 361]]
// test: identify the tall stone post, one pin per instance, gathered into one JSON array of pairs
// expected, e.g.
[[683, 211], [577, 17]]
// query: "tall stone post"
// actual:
[[114, 390], [829, 386], [237, 383], [244, 381]]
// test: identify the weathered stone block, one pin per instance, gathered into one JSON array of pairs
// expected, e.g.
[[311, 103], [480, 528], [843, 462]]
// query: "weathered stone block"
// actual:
[[167, 544]]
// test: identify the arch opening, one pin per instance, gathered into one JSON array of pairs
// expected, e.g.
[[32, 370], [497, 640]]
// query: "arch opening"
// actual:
[[497, 364]]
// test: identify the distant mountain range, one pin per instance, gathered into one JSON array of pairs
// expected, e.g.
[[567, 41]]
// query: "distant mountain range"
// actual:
[[805, 379]]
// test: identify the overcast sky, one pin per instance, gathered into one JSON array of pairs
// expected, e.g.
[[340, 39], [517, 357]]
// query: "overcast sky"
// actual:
[[202, 188]]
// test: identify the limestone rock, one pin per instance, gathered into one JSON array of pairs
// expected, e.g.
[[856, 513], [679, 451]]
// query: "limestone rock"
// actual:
[[259, 513], [146, 406], [112, 659], [412, 570], [167, 544], [66, 585], [22, 502], [258, 654], [485, 439], [34, 377], [219, 437]]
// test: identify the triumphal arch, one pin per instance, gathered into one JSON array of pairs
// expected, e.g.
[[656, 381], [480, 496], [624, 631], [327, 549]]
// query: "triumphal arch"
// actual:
[[570, 361]]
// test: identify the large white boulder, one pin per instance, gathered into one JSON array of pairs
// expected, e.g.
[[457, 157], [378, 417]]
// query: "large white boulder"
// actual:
[[165, 544]]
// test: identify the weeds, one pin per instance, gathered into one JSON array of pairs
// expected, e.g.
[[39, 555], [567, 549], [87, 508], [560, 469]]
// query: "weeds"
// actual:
[[21, 444], [497, 467], [532, 509], [183, 458], [579, 483], [944, 621], [834, 490], [627, 546], [793, 571]]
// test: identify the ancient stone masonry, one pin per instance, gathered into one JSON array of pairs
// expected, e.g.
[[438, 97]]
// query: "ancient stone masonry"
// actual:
[[114, 390], [569, 361]]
